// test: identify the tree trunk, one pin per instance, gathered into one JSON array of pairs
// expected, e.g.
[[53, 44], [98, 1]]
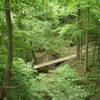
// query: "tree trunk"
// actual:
[[94, 51], [78, 48], [1, 41], [33, 62], [10, 48], [98, 50], [78, 38], [81, 49], [1, 35], [86, 56], [87, 41]]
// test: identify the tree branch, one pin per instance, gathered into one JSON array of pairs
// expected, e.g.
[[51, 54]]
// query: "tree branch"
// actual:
[[12, 87]]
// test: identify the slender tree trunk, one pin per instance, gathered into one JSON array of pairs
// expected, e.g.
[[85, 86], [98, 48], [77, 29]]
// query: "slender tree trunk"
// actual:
[[94, 51], [87, 41], [78, 38], [81, 49], [98, 50], [10, 48], [33, 59], [1, 46], [78, 48], [81, 40], [33, 55], [0, 41], [10, 43], [86, 56]]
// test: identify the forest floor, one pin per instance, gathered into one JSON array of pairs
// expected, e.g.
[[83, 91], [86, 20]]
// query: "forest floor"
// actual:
[[91, 84], [92, 77], [80, 69]]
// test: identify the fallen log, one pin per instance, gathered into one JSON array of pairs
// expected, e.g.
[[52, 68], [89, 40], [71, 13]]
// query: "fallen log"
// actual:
[[56, 61]]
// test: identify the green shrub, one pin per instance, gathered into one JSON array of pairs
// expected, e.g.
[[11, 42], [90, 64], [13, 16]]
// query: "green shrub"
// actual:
[[71, 43], [58, 84]]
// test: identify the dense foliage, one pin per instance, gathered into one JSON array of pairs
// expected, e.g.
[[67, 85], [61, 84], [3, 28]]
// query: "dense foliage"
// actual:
[[49, 27], [58, 84]]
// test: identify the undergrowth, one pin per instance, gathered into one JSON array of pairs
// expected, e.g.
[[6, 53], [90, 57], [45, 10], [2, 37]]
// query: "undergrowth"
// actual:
[[58, 84]]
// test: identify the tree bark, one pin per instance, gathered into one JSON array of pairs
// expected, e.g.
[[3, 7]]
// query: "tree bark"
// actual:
[[1, 35], [78, 38], [10, 48], [78, 48], [94, 51], [86, 56], [87, 41], [33, 62], [98, 50]]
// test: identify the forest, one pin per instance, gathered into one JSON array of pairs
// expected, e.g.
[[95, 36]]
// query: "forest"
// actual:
[[49, 49]]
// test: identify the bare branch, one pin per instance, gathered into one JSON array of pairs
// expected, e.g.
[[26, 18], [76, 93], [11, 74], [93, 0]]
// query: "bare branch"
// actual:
[[12, 87]]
